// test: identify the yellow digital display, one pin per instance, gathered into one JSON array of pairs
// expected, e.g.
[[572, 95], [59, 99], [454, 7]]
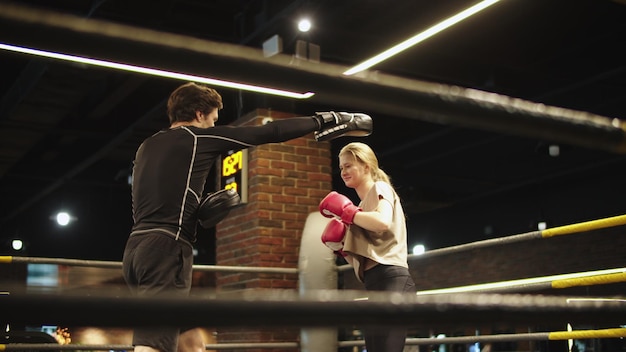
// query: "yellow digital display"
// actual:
[[232, 185], [235, 172], [232, 163]]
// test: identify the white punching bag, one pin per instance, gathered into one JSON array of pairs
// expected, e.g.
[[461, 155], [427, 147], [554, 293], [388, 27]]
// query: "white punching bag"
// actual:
[[317, 271]]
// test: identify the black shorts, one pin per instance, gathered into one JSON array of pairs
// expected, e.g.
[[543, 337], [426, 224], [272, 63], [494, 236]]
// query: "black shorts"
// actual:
[[388, 278], [156, 264]]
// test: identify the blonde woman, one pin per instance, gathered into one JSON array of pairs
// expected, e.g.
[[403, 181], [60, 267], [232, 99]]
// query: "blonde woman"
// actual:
[[372, 235]]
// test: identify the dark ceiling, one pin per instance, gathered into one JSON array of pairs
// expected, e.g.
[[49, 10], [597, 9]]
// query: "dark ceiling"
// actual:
[[468, 165]]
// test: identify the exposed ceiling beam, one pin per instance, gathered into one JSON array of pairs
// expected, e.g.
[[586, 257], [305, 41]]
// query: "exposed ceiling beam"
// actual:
[[369, 92]]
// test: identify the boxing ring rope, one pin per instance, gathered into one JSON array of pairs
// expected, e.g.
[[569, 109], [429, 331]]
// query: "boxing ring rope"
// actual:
[[527, 236], [86, 347], [607, 333], [538, 336], [118, 265], [547, 233], [312, 309], [590, 278], [532, 235], [598, 277]]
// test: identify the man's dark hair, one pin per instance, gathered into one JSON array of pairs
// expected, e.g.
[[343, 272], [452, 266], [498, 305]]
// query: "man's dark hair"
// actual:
[[189, 98]]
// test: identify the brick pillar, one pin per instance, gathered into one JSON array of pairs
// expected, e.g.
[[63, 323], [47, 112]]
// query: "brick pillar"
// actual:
[[286, 181]]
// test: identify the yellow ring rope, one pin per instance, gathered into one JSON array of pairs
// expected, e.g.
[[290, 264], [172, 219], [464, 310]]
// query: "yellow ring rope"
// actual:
[[590, 280], [585, 226], [587, 334]]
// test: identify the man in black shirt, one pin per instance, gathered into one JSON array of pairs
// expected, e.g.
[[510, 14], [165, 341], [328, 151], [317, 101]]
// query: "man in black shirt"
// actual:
[[169, 173]]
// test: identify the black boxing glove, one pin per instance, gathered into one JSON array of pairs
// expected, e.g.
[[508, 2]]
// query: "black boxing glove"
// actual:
[[339, 124], [216, 206]]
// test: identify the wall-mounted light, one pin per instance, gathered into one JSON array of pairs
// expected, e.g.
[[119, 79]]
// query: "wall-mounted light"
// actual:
[[542, 225], [157, 72], [419, 249]]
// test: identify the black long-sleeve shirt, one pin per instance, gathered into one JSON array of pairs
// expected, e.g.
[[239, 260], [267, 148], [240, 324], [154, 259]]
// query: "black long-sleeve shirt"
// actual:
[[171, 168]]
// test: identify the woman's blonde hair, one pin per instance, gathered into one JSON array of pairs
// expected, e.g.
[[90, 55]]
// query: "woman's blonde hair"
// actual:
[[365, 155]]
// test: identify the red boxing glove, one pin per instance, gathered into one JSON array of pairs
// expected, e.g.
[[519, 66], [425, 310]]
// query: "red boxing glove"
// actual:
[[335, 204], [333, 235]]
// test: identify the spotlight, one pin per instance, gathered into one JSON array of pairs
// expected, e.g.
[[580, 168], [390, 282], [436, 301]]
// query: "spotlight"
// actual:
[[542, 225], [554, 150], [63, 218], [304, 25], [17, 244], [419, 249]]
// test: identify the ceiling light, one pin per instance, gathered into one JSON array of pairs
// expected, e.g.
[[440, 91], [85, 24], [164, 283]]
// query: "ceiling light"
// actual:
[[420, 37], [17, 244], [157, 72], [554, 150], [304, 25], [63, 218]]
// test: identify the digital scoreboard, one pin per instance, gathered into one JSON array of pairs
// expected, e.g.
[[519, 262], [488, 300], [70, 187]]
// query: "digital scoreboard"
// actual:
[[235, 172]]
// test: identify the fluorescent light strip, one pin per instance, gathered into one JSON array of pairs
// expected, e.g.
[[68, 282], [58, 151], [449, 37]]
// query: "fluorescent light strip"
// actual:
[[156, 72], [420, 37]]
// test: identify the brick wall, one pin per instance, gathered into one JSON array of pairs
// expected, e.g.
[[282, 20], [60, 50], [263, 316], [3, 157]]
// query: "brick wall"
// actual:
[[286, 181]]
